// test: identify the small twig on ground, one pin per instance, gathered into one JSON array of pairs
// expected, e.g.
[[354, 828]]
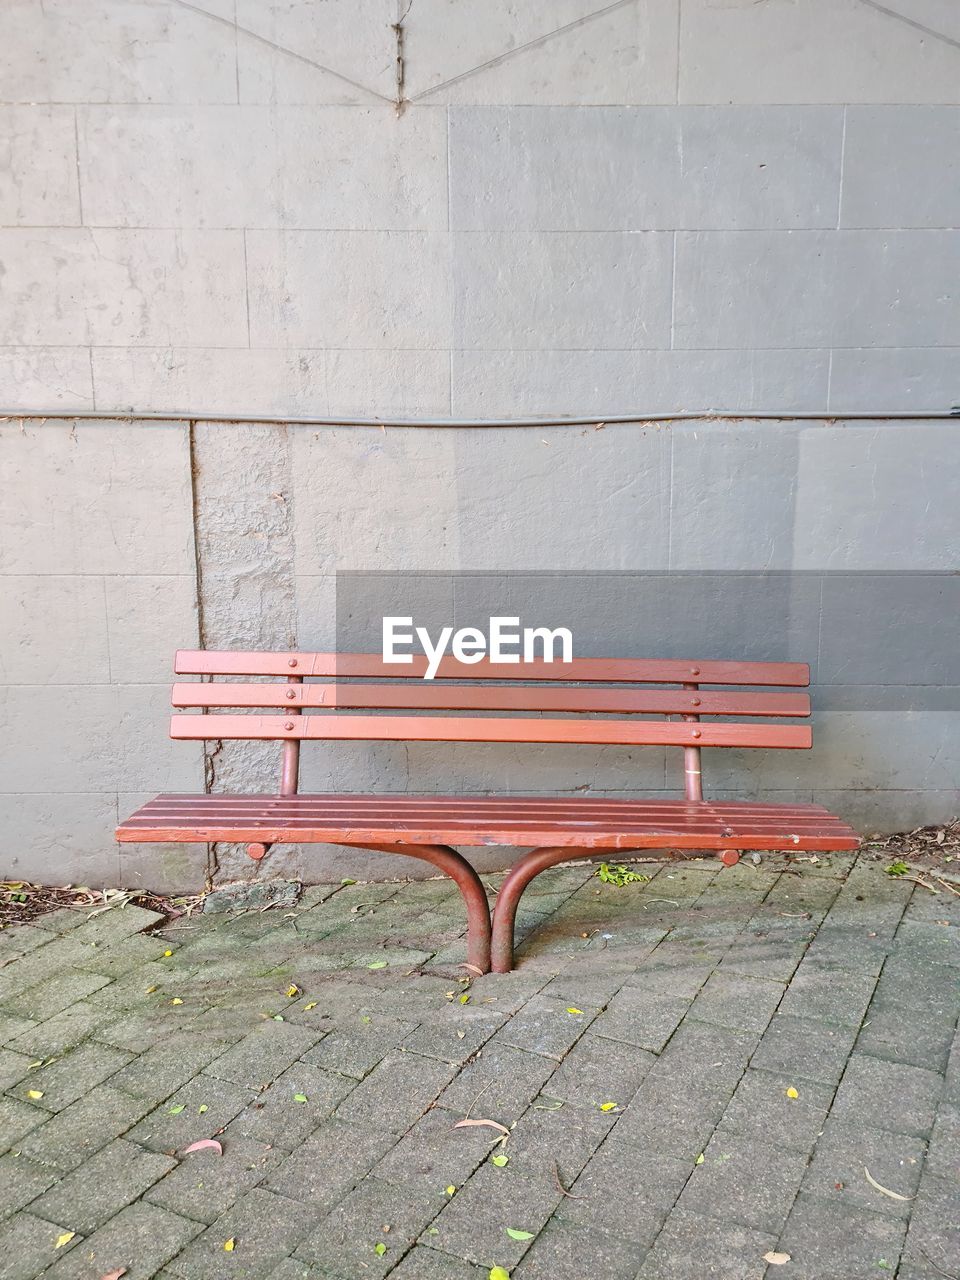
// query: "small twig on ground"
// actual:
[[947, 885], [923, 884], [951, 1275], [560, 1187]]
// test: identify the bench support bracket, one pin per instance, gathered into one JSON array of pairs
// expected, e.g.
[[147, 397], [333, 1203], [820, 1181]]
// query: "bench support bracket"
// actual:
[[467, 881]]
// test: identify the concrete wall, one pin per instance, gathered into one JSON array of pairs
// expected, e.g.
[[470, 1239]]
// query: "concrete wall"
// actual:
[[652, 205]]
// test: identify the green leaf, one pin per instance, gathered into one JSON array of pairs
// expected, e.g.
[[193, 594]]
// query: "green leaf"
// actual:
[[175, 1111], [500, 1161], [898, 868], [499, 1273], [514, 1234], [202, 1108], [300, 1097], [378, 964], [380, 1249], [348, 882]]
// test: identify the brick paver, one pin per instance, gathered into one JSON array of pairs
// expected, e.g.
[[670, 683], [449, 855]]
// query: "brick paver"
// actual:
[[692, 1073]]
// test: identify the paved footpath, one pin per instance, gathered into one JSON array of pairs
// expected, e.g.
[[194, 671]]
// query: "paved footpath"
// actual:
[[733, 1074]]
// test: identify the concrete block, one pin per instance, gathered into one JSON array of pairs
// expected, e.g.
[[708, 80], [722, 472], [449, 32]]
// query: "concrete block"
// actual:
[[759, 460], [344, 479], [822, 51], [349, 289], [38, 167], [888, 629], [148, 619], [542, 54], [593, 290], [860, 490], [122, 288], [82, 498], [849, 750], [900, 167], [291, 51], [369, 383], [57, 838], [644, 168], [357, 168], [41, 612], [118, 737], [116, 51], [316, 604], [816, 289], [211, 380], [890, 380], [504, 384], [508, 516], [46, 378]]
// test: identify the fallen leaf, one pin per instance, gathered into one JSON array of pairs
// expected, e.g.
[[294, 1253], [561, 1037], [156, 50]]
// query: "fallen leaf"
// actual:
[[378, 964], [293, 990], [885, 1191], [451, 1189], [168, 953], [514, 1234], [34, 1093], [176, 1000], [465, 999], [278, 1017], [202, 1108], [792, 1092], [175, 1111], [572, 1010], [311, 1005], [776, 1259], [485, 1124], [300, 1097], [348, 882], [500, 1161], [229, 1245], [149, 990], [38, 1063], [63, 1239], [203, 1145], [700, 1158], [115, 1275], [608, 1106], [498, 1273], [380, 1249]]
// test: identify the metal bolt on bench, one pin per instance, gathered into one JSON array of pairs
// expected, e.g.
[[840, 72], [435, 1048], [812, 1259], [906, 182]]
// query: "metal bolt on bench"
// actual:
[[584, 701]]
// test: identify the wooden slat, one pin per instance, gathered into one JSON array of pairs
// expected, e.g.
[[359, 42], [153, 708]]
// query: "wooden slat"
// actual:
[[460, 729], [613, 670], [450, 697], [569, 822]]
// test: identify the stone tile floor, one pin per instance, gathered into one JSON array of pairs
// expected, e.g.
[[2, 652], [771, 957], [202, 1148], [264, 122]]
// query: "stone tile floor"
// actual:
[[694, 1072]]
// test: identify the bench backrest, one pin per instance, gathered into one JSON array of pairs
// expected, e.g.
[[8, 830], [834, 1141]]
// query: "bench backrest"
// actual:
[[583, 701]]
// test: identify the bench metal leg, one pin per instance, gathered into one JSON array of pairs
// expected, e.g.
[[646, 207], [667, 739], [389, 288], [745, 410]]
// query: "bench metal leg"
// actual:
[[471, 888], [508, 899]]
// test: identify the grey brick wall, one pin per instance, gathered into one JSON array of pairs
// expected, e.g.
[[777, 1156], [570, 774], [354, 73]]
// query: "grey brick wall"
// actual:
[[653, 205]]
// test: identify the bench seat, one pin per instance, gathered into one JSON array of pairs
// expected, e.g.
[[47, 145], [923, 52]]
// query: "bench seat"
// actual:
[[582, 823]]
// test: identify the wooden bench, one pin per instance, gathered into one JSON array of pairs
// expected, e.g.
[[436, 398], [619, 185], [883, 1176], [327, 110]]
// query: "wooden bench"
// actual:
[[590, 700]]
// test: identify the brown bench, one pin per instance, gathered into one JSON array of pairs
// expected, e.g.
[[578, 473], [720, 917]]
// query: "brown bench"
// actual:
[[590, 700]]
